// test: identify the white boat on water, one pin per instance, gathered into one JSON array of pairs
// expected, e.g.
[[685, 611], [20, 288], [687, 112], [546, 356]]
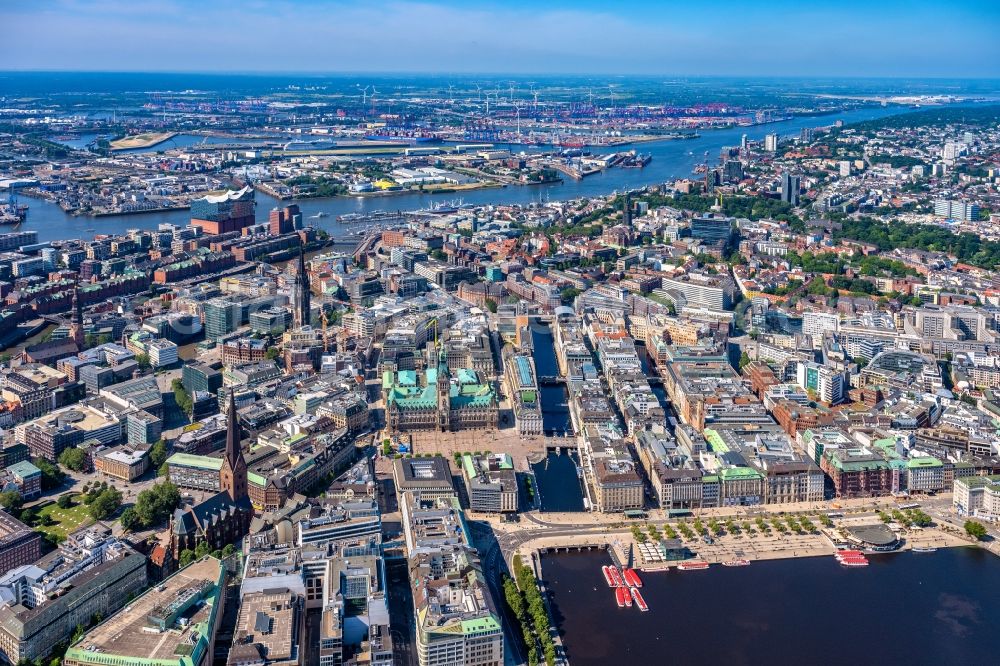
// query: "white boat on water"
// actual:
[[318, 215]]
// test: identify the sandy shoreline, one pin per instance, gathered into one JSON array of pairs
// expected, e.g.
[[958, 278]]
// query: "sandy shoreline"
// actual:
[[146, 140]]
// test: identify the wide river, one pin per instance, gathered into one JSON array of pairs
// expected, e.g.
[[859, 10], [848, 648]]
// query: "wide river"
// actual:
[[671, 159], [905, 608]]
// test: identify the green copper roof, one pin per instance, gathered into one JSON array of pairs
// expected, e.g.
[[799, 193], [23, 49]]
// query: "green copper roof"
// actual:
[[469, 466], [856, 465], [739, 473], [713, 438], [487, 623], [199, 462]]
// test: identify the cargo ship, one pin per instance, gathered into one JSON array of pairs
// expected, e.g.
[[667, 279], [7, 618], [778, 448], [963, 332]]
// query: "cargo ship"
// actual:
[[12, 212], [405, 137], [636, 161], [639, 601], [316, 144], [620, 595], [631, 577]]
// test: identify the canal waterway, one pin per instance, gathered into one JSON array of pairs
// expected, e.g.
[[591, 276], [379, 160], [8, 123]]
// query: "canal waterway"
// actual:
[[554, 397], [558, 483], [671, 159], [905, 608]]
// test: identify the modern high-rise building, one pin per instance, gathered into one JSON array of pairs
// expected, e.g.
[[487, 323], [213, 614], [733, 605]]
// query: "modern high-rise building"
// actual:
[[827, 383], [790, 188], [712, 229], [698, 290], [771, 143], [953, 151], [222, 213], [285, 220], [222, 316], [956, 210], [817, 324], [733, 171]]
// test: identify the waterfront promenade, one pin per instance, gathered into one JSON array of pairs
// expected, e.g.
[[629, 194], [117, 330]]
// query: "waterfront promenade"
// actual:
[[539, 531]]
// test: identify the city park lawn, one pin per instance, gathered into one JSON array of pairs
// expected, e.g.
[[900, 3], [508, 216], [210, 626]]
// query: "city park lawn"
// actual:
[[65, 521]]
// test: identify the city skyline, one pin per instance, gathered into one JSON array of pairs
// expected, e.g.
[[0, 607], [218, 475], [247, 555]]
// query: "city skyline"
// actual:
[[436, 332], [891, 39]]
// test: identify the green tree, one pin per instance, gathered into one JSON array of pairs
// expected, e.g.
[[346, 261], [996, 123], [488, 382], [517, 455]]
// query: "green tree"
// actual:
[[228, 550], [155, 504], [181, 396], [568, 294], [158, 454], [513, 597], [52, 476], [744, 360], [65, 501], [129, 519], [491, 305], [975, 529], [73, 458], [105, 504], [186, 558], [142, 359], [10, 500]]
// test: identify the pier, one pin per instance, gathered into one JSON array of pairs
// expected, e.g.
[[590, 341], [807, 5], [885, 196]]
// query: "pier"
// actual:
[[573, 548], [375, 217]]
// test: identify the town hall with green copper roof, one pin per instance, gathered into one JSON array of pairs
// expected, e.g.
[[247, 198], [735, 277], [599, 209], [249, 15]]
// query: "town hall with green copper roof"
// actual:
[[439, 397]]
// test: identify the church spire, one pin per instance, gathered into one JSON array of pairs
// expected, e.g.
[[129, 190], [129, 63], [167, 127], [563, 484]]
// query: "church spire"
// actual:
[[233, 430], [301, 293], [76, 328], [233, 475]]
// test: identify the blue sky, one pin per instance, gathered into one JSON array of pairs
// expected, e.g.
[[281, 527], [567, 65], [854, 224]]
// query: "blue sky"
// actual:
[[939, 38]]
